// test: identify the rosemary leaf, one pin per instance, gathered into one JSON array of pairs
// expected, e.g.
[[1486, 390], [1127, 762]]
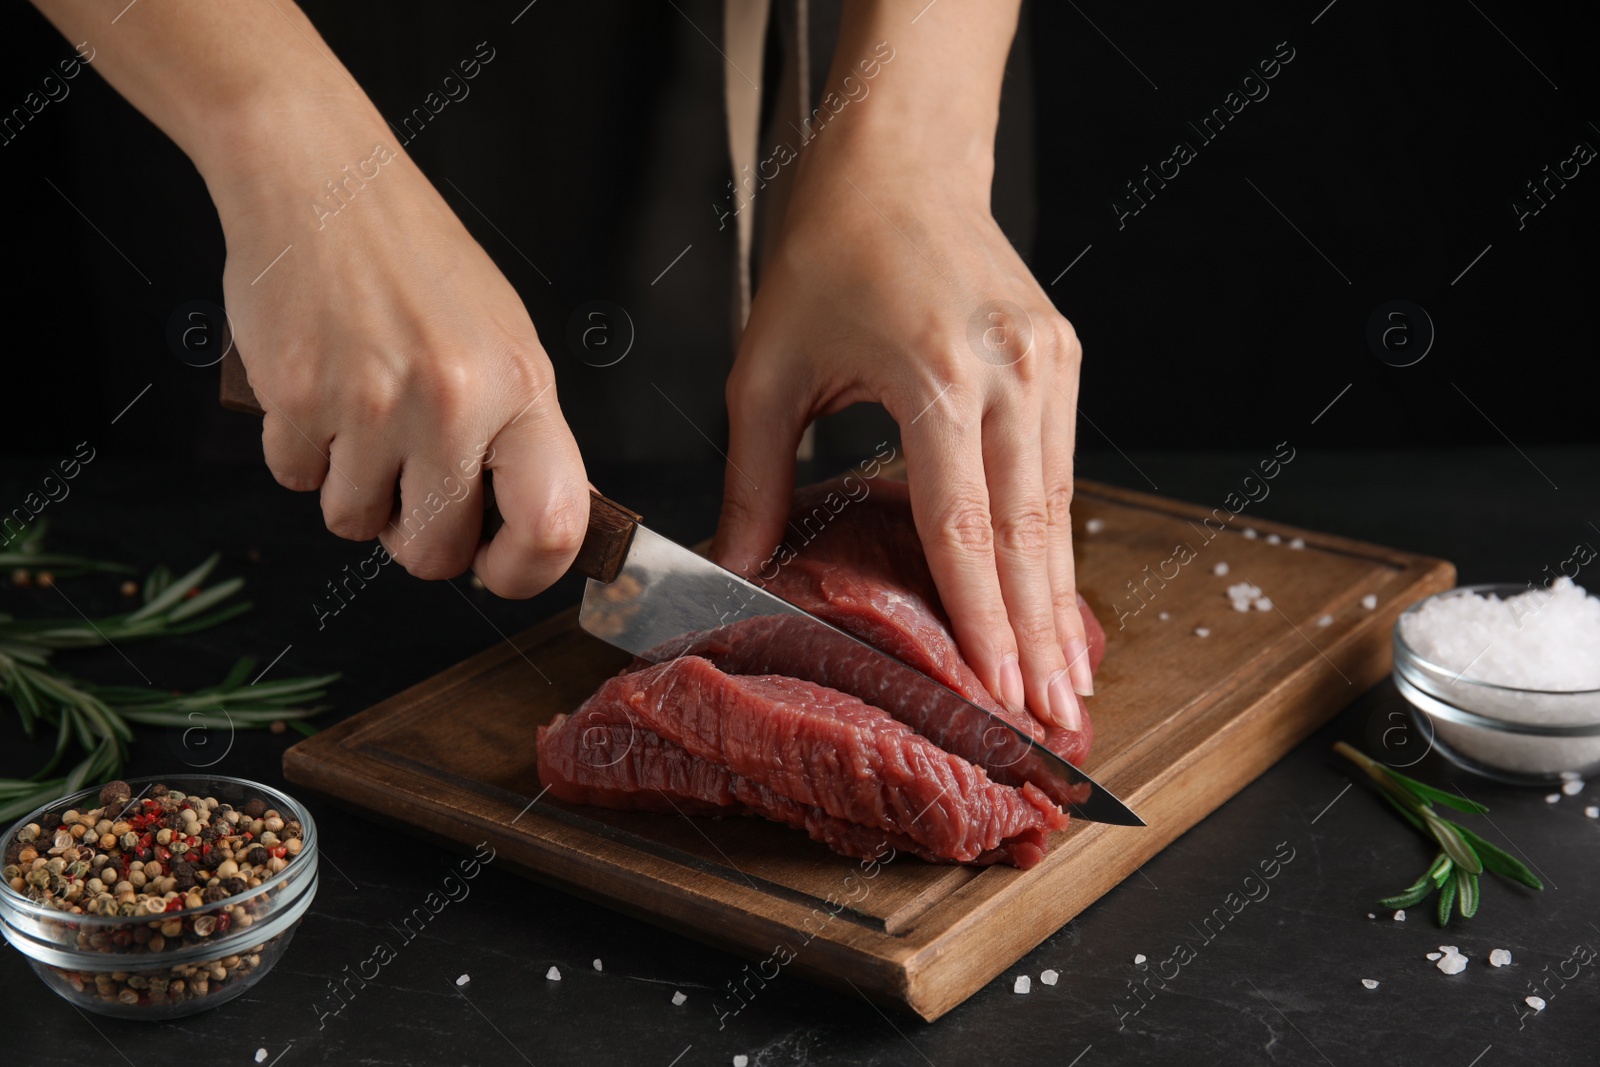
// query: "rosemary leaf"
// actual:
[[1498, 860], [1432, 795], [1466, 894], [1447, 900]]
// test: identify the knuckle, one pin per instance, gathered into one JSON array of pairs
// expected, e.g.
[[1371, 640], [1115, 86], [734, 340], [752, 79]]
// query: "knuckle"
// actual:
[[1058, 504], [349, 524], [1035, 631], [1065, 345], [1023, 532], [558, 530], [965, 527]]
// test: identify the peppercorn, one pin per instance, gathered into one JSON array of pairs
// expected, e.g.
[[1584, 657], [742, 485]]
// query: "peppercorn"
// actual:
[[255, 807], [116, 792], [235, 885], [173, 821], [257, 856], [159, 790], [213, 893], [184, 873], [49, 820]]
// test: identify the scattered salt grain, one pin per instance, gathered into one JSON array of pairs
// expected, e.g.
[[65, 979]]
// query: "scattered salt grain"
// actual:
[[1263, 604], [1164, 616], [1297, 543], [1250, 532], [1370, 601], [464, 979], [678, 999], [1202, 631], [1274, 539], [1448, 950], [1551, 798], [1400, 916], [1095, 525], [1453, 963], [1023, 984], [1139, 958], [261, 1055], [741, 1060], [1370, 983], [597, 966], [1049, 977], [1241, 605], [553, 975], [1592, 811], [1572, 787], [1499, 958], [1435, 955], [1220, 569], [1326, 620], [1536, 1003], [1371, 916]]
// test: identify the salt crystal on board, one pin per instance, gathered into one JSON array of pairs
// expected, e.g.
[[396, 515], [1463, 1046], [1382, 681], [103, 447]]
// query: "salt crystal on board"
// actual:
[[1435, 955], [1400, 916], [1572, 787], [1326, 620], [1369, 983], [1499, 958], [1023, 984], [1164, 616], [1263, 604], [261, 1055], [678, 999], [1250, 532], [1369, 601], [1298, 542], [1454, 963], [741, 1060], [1241, 605], [1202, 631], [1536, 1003], [1095, 525], [1274, 539], [1049, 977], [1220, 569], [553, 974], [1138, 958], [464, 979]]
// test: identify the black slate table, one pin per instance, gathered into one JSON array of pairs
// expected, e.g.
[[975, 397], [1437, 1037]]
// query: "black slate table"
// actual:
[[1280, 983]]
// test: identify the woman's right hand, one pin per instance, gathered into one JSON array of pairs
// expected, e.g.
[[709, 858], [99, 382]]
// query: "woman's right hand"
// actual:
[[393, 359]]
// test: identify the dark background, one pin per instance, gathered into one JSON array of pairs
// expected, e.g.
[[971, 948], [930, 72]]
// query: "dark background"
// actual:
[[1395, 141]]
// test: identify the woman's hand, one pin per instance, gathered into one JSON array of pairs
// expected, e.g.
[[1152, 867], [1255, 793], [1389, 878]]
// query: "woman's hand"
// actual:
[[895, 285], [396, 363]]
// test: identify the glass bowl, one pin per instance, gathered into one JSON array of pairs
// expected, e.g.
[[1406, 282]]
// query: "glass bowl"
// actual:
[[1521, 736], [172, 963]]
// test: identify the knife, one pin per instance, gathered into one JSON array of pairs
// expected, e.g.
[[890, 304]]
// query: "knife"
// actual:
[[656, 599]]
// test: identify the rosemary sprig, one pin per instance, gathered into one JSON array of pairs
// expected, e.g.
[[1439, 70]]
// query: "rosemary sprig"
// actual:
[[1463, 855], [97, 717]]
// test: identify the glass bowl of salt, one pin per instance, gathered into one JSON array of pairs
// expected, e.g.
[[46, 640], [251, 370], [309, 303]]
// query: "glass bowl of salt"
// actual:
[[1507, 678]]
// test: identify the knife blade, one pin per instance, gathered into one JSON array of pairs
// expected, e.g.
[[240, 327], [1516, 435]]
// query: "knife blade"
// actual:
[[666, 601]]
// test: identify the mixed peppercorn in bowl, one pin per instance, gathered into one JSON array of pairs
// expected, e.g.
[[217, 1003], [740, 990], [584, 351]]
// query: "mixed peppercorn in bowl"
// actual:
[[158, 897]]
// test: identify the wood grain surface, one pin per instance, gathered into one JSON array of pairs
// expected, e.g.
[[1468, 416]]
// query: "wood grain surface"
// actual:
[[1182, 723]]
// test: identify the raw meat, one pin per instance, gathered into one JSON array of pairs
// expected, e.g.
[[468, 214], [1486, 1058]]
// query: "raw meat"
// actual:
[[684, 736]]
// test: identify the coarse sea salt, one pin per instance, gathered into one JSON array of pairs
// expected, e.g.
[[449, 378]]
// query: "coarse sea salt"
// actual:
[[1369, 983], [741, 1060], [1274, 539], [1326, 620], [1592, 811], [553, 974], [1534, 640], [1551, 798], [598, 966], [1220, 570], [1453, 963], [1572, 786], [1499, 958], [1164, 616], [1536, 1003], [1297, 542], [1202, 631], [1138, 958], [1263, 604], [678, 999], [1435, 955], [261, 1055], [464, 979], [1023, 984], [1400, 916], [1369, 601], [1049, 977], [1095, 525], [1250, 532]]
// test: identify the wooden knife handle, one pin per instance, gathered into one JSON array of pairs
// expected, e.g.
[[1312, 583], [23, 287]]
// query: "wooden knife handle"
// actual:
[[611, 525]]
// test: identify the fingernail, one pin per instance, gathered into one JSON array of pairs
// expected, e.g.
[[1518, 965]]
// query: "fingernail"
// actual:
[[1077, 653], [1011, 692], [1064, 702]]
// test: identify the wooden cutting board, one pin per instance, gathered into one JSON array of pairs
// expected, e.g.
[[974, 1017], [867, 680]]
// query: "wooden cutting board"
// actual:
[[1182, 723]]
